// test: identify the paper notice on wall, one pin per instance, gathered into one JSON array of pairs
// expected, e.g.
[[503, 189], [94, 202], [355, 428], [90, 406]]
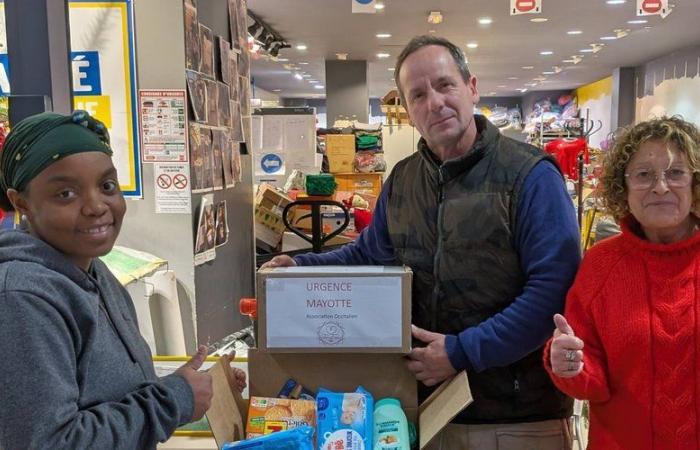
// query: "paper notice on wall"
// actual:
[[518, 7], [172, 188], [273, 133], [350, 312], [163, 128]]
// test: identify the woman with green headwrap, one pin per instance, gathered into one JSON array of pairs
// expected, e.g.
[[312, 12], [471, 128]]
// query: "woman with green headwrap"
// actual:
[[76, 372]]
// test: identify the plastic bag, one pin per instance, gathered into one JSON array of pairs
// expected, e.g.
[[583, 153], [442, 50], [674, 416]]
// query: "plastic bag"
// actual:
[[368, 161], [297, 439]]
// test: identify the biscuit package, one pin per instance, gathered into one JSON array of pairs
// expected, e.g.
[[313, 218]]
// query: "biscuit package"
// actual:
[[345, 421], [269, 415]]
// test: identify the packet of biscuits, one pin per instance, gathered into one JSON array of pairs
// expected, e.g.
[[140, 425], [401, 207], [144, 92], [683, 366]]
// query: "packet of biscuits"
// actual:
[[268, 415]]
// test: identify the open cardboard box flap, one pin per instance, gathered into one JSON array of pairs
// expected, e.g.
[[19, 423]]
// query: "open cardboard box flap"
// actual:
[[384, 375]]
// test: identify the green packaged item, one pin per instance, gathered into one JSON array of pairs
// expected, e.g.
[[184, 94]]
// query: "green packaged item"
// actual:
[[322, 184]]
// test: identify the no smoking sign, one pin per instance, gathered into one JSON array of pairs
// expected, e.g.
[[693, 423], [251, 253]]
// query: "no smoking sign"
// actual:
[[525, 7]]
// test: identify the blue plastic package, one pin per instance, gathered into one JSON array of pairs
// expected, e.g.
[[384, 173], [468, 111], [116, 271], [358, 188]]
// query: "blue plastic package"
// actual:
[[296, 439], [345, 421]]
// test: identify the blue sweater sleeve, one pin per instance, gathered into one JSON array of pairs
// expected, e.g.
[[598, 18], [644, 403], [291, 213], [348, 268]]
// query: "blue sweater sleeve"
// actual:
[[372, 247], [547, 240]]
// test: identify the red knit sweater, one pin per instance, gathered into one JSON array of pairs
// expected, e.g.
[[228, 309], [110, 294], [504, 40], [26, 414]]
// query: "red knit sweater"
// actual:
[[636, 306]]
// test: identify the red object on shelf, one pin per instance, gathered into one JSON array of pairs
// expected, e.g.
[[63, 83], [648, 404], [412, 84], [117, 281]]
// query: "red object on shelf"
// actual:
[[362, 218], [249, 307], [566, 151]]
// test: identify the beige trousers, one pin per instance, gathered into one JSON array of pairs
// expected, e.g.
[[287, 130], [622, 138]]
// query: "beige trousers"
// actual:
[[545, 435]]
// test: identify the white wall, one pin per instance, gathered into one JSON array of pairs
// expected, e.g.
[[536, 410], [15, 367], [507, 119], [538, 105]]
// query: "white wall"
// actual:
[[671, 97]]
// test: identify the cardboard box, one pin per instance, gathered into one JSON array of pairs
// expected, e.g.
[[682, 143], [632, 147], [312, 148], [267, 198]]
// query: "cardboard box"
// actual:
[[268, 414], [340, 150], [329, 309], [269, 205], [384, 375]]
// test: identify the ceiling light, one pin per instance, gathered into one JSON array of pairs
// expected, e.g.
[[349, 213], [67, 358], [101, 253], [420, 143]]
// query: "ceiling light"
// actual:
[[620, 33], [313, 81], [539, 19], [501, 86], [492, 93], [341, 56], [301, 47], [512, 78], [523, 90], [319, 86], [586, 50], [282, 59], [306, 75], [303, 64], [277, 90], [547, 72], [573, 32], [383, 35], [637, 22], [391, 69], [546, 52], [383, 55], [528, 67], [298, 77], [485, 21], [435, 17], [379, 6], [472, 45], [431, 31], [556, 69], [608, 38], [616, 2]]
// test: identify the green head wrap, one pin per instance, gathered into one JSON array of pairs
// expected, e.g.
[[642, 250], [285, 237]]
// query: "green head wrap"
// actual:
[[40, 140]]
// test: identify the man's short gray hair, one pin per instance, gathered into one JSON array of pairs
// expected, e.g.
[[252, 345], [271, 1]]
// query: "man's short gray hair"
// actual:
[[425, 40]]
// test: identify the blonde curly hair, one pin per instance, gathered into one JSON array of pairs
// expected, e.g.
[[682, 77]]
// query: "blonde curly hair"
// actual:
[[669, 130]]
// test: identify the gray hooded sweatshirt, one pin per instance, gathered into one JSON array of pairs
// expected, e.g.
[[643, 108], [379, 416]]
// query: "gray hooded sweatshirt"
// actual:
[[76, 373]]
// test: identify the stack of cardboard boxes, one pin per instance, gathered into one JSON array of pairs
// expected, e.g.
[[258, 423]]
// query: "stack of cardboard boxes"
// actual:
[[269, 226], [336, 328]]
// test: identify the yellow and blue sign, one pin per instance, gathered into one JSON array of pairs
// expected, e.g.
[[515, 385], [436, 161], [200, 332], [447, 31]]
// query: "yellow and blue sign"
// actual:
[[103, 61]]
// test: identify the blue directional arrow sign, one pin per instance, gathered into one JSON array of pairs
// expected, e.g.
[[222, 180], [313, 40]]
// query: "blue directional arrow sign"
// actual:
[[271, 163]]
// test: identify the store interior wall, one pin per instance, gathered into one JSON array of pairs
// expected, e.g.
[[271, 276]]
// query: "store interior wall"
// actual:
[[595, 99], [347, 91], [221, 283], [142, 228], [670, 85]]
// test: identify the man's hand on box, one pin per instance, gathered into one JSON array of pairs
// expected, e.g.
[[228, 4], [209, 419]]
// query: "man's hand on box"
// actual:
[[279, 261], [430, 364]]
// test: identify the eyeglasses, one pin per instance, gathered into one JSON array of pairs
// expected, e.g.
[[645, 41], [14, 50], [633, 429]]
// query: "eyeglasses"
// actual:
[[641, 179]]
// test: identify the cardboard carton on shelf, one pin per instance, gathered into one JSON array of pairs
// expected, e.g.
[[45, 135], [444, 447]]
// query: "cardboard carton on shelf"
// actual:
[[328, 340], [340, 150], [269, 204]]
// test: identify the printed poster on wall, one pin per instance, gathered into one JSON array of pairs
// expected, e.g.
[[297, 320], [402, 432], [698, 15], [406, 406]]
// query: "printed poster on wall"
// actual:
[[103, 62], [172, 188], [163, 127], [104, 80]]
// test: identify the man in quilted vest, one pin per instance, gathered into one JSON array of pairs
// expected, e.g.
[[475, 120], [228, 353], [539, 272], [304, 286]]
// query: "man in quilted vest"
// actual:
[[490, 233]]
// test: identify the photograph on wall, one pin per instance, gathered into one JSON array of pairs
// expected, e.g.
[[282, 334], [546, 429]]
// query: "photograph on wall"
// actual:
[[242, 23], [197, 91], [236, 123], [218, 159], [196, 159], [233, 22], [244, 64], [224, 106], [206, 65], [208, 155], [227, 148], [224, 60], [236, 162], [233, 73], [247, 132], [191, 3], [193, 48], [244, 95], [205, 241], [221, 224], [212, 103]]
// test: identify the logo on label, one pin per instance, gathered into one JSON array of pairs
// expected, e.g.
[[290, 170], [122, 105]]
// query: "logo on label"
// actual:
[[331, 333]]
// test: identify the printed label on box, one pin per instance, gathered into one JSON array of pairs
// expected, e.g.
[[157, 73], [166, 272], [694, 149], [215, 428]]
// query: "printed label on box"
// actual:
[[352, 312]]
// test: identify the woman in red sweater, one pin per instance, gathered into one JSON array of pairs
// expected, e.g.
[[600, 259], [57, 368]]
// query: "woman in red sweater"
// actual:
[[630, 342]]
